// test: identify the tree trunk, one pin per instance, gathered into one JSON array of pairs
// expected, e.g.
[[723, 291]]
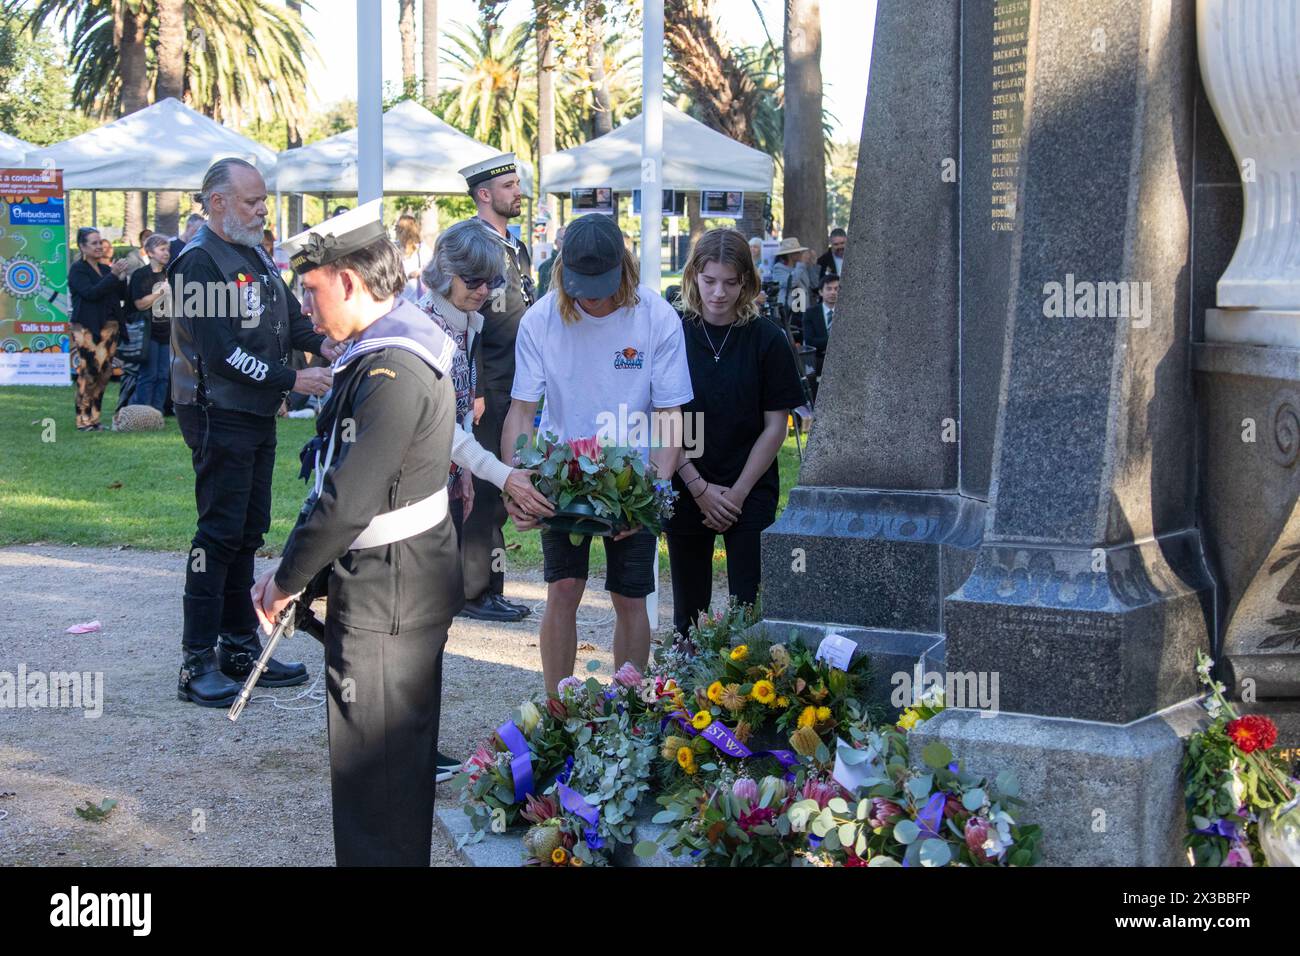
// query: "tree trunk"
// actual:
[[429, 50], [134, 77], [292, 141], [170, 82], [602, 120], [406, 27], [545, 92], [804, 153]]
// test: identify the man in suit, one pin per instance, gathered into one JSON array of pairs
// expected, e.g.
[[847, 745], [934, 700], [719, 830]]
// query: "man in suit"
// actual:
[[817, 323], [831, 262]]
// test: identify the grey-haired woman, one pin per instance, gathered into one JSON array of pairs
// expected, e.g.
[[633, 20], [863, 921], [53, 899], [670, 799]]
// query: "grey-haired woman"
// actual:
[[467, 266]]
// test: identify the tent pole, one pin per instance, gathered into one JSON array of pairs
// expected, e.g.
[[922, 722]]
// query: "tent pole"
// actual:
[[94, 208], [279, 219]]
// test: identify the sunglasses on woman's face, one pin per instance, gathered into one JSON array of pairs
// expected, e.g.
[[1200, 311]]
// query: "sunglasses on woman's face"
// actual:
[[494, 282]]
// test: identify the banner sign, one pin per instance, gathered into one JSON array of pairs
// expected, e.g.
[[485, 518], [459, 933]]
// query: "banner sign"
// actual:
[[34, 334]]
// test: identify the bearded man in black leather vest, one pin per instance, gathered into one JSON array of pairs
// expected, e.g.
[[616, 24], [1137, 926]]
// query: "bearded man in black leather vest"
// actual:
[[234, 324]]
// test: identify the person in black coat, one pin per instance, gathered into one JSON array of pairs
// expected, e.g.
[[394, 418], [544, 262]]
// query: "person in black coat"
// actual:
[[831, 262], [817, 323], [234, 323], [380, 521], [97, 291], [745, 383]]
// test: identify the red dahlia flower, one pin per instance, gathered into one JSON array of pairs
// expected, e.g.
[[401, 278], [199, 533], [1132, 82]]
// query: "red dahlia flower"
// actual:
[[1252, 732]]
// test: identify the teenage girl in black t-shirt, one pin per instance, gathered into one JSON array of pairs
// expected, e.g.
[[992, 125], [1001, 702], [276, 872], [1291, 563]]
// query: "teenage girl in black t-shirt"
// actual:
[[745, 383]]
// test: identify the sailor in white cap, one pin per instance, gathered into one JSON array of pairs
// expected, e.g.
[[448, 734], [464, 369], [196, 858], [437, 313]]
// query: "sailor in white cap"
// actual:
[[494, 187], [378, 525]]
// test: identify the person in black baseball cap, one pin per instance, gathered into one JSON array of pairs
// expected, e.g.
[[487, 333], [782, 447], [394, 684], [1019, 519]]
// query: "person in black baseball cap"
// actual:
[[592, 257], [609, 357]]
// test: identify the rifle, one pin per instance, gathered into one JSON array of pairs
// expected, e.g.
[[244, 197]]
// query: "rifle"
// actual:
[[297, 616]]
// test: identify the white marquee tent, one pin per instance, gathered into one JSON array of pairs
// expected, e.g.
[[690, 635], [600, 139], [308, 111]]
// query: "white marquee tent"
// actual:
[[166, 146], [421, 155], [13, 149], [695, 157]]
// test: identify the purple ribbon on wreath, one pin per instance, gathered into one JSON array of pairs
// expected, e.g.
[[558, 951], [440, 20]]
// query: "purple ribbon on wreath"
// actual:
[[521, 759], [577, 804], [725, 741], [930, 818]]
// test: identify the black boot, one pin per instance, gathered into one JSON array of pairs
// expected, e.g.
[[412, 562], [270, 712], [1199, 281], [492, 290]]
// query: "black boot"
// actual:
[[202, 682], [239, 652]]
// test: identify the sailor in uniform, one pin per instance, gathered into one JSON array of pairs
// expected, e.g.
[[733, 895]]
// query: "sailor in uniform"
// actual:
[[379, 521]]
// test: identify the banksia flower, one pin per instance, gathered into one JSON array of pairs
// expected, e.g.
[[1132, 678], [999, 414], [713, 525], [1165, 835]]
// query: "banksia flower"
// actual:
[[672, 745], [743, 731], [732, 698], [805, 741], [780, 656]]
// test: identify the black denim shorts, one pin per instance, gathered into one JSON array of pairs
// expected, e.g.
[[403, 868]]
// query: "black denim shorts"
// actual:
[[629, 564]]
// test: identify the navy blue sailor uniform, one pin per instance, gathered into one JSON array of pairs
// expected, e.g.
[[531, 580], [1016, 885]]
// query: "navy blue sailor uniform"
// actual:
[[380, 523]]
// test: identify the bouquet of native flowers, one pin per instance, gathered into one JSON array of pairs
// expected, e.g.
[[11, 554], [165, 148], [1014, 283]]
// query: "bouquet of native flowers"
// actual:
[[938, 815], [736, 819], [762, 688], [607, 771], [595, 489], [1242, 804], [521, 757]]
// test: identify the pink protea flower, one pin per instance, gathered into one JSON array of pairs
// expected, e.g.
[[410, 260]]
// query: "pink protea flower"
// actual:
[[745, 790], [482, 759], [628, 675], [818, 790], [883, 811], [589, 447], [977, 834]]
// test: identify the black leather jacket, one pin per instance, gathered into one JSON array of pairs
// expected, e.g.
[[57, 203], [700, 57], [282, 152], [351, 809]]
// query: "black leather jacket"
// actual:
[[233, 327]]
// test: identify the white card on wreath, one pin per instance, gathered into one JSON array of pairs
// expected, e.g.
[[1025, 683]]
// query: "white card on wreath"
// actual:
[[836, 650]]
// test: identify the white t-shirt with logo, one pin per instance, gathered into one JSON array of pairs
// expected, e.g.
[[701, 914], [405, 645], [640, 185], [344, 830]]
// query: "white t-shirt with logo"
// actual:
[[602, 376]]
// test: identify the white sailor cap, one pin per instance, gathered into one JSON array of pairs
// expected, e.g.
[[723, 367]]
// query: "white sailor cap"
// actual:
[[489, 169], [336, 237]]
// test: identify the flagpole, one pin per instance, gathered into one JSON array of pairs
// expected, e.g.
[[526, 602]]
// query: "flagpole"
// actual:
[[370, 102], [652, 155]]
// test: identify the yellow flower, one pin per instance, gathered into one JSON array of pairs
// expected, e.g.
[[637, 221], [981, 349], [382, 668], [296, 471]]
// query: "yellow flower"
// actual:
[[701, 719], [808, 717], [558, 856], [575, 862], [764, 692], [783, 702], [823, 713], [909, 719], [685, 758], [740, 652], [715, 692], [673, 744]]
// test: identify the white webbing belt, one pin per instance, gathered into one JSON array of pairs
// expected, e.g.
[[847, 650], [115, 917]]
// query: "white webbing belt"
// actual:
[[403, 523], [394, 525]]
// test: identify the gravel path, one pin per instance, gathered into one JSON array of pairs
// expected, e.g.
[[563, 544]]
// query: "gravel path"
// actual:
[[191, 787]]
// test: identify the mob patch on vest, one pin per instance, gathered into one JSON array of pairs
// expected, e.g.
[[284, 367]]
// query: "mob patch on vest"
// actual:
[[250, 365], [381, 371]]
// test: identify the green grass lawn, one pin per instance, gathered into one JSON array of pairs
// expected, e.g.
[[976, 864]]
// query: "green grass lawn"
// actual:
[[137, 489]]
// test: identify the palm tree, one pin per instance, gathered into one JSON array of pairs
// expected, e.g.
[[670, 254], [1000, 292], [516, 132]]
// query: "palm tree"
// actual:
[[169, 82], [429, 48], [602, 118], [246, 59], [804, 144], [406, 29], [490, 99], [706, 69]]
